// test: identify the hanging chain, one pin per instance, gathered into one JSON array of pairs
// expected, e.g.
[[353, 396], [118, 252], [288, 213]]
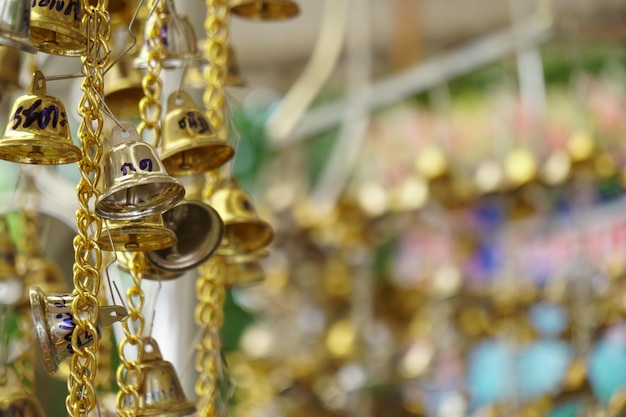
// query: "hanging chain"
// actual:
[[216, 51], [129, 372], [104, 377], [209, 317], [150, 104], [81, 398]]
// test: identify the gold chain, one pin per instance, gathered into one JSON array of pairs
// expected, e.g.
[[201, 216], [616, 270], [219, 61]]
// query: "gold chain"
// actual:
[[209, 314], [216, 51], [209, 317], [81, 398], [150, 104], [129, 372]]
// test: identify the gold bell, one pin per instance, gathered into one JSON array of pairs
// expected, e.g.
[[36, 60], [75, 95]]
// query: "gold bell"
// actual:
[[243, 270], [15, 25], [160, 391], [190, 143], [149, 272], [56, 27], [54, 325], [15, 400], [199, 230], [41, 272], [265, 9], [244, 231], [135, 182], [123, 90], [142, 234], [194, 78], [37, 131], [174, 33]]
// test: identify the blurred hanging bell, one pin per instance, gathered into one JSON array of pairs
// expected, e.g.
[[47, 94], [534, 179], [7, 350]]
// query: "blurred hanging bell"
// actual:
[[10, 282], [190, 144], [54, 325], [194, 77], [15, 400], [173, 34], [265, 9], [199, 230], [244, 231], [142, 234], [160, 391], [135, 183], [123, 90], [15, 25], [245, 269], [11, 64], [56, 27], [37, 131]]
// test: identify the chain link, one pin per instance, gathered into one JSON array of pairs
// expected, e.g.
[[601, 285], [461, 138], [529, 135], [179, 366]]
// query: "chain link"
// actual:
[[150, 105], [215, 74], [81, 398], [209, 317], [129, 371]]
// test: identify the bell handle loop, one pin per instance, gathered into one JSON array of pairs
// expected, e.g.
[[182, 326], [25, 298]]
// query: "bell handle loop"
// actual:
[[151, 349], [179, 99], [38, 87]]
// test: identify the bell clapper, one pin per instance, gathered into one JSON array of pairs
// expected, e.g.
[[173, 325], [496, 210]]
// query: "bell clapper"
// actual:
[[35, 152], [130, 198], [132, 243], [51, 38], [184, 164]]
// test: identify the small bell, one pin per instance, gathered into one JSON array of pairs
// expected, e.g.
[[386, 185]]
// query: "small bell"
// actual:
[[37, 131], [199, 231], [41, 272], [244, 231], [174, 34], [16, 401], [123, 90], [265, 9], [56, 27], [135, 183], [244, 270], [15, 25], [54, 325], [194, 78], [160, 391], [142, 234], [149, 272], [190, 144]]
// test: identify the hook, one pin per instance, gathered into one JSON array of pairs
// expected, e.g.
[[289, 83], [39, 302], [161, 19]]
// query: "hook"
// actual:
[[131, 34]]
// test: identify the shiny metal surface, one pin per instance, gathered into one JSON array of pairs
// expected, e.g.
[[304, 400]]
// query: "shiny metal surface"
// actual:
[[15, 25], [143, 234], [265, 9], [199, 230], [58, 30], [190, 144]]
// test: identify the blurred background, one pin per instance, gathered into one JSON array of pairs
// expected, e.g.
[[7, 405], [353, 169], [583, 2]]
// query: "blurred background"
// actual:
[[445, 180]]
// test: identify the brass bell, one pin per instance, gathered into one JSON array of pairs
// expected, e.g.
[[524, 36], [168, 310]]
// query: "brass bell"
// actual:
[[38, 131], [243, 270], [244, 231], [142, 234], [15, 25], [135, 183], [160, 391], [150, 271], [199, 230], [55, 27], [41, 272], [265, 9], [190, 144], [15, 400], [194, 77], [173, 34], [123, 90], [10, 282], [54, 325]]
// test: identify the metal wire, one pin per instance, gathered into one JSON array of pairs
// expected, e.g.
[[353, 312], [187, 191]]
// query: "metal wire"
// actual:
[[81, 398]]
